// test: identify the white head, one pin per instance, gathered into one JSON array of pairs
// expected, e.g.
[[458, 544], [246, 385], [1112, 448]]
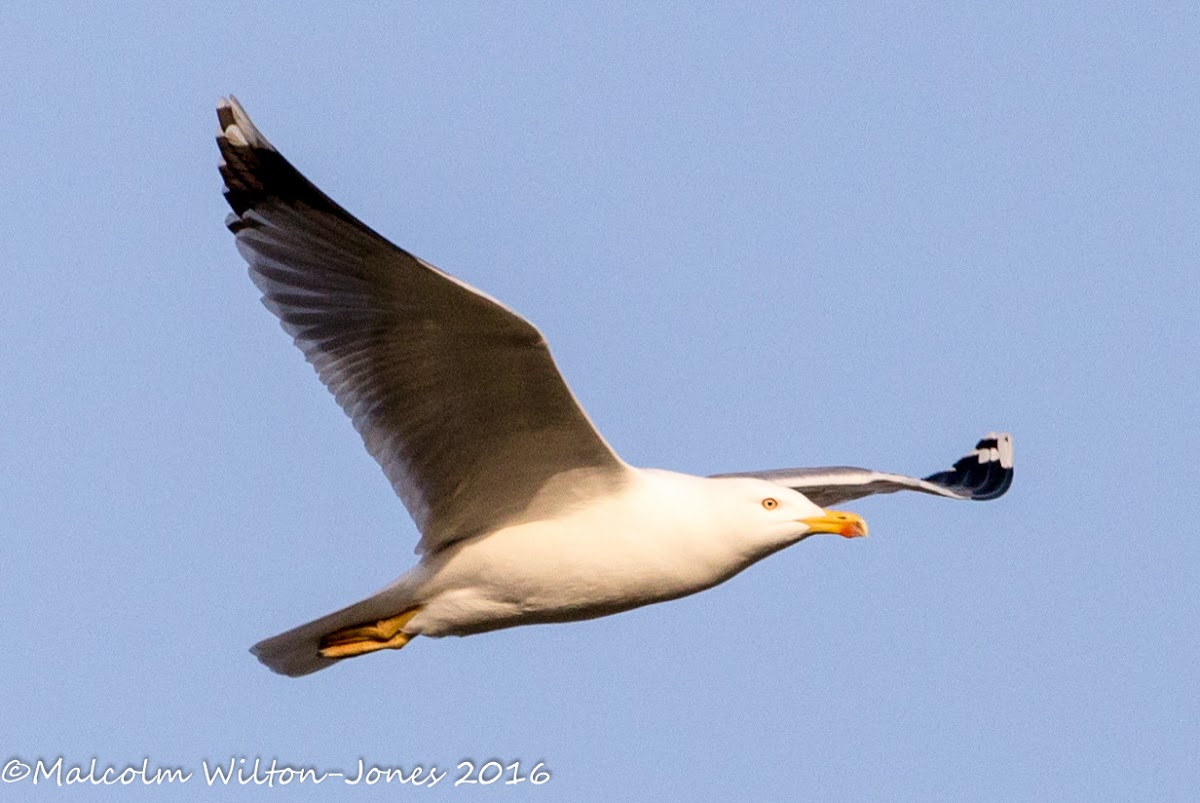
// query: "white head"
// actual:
[[776, 514]]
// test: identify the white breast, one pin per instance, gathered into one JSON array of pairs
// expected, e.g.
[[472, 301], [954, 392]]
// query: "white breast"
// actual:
[[662, 537]]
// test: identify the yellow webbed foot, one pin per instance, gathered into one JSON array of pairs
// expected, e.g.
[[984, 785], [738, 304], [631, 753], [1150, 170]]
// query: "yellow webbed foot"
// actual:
[[385, 634]]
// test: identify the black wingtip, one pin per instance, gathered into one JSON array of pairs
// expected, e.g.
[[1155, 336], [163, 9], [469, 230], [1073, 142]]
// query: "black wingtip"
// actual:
[[248, 162], [986, 473], [256, 173]]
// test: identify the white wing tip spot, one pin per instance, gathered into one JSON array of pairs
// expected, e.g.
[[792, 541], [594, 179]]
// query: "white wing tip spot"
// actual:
[[1002, 452]]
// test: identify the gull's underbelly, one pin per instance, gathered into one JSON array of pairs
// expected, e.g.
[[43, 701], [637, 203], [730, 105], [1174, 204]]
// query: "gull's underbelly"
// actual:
[[534, 574]]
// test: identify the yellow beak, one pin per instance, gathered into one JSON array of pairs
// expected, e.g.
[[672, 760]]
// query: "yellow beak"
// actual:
[[837, 522]]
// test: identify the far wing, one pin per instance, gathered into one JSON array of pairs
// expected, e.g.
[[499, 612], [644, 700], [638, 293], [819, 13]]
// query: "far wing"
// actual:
[[985, 473]]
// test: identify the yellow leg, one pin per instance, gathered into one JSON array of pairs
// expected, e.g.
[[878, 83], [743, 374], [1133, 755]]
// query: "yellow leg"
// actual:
[[386, 634]]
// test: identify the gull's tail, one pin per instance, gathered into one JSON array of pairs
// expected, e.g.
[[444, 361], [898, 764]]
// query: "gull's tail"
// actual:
[[298, 651]]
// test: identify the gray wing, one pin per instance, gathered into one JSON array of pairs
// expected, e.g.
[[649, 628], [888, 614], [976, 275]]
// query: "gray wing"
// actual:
[[984, 473], [456, 396]]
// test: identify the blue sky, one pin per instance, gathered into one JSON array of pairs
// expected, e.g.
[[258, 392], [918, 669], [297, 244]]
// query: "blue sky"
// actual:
[[754, 237]]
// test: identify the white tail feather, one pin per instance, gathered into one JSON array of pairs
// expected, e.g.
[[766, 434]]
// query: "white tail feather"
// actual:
[[296, 652]]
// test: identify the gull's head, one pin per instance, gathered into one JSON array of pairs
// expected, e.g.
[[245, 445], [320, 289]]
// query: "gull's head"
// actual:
[[785, 514]]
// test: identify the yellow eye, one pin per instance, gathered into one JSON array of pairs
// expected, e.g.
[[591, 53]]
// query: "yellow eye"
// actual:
[[770, 503]]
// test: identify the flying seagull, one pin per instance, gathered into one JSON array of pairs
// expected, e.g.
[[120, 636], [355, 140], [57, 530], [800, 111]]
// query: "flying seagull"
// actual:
[[526, 514]]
